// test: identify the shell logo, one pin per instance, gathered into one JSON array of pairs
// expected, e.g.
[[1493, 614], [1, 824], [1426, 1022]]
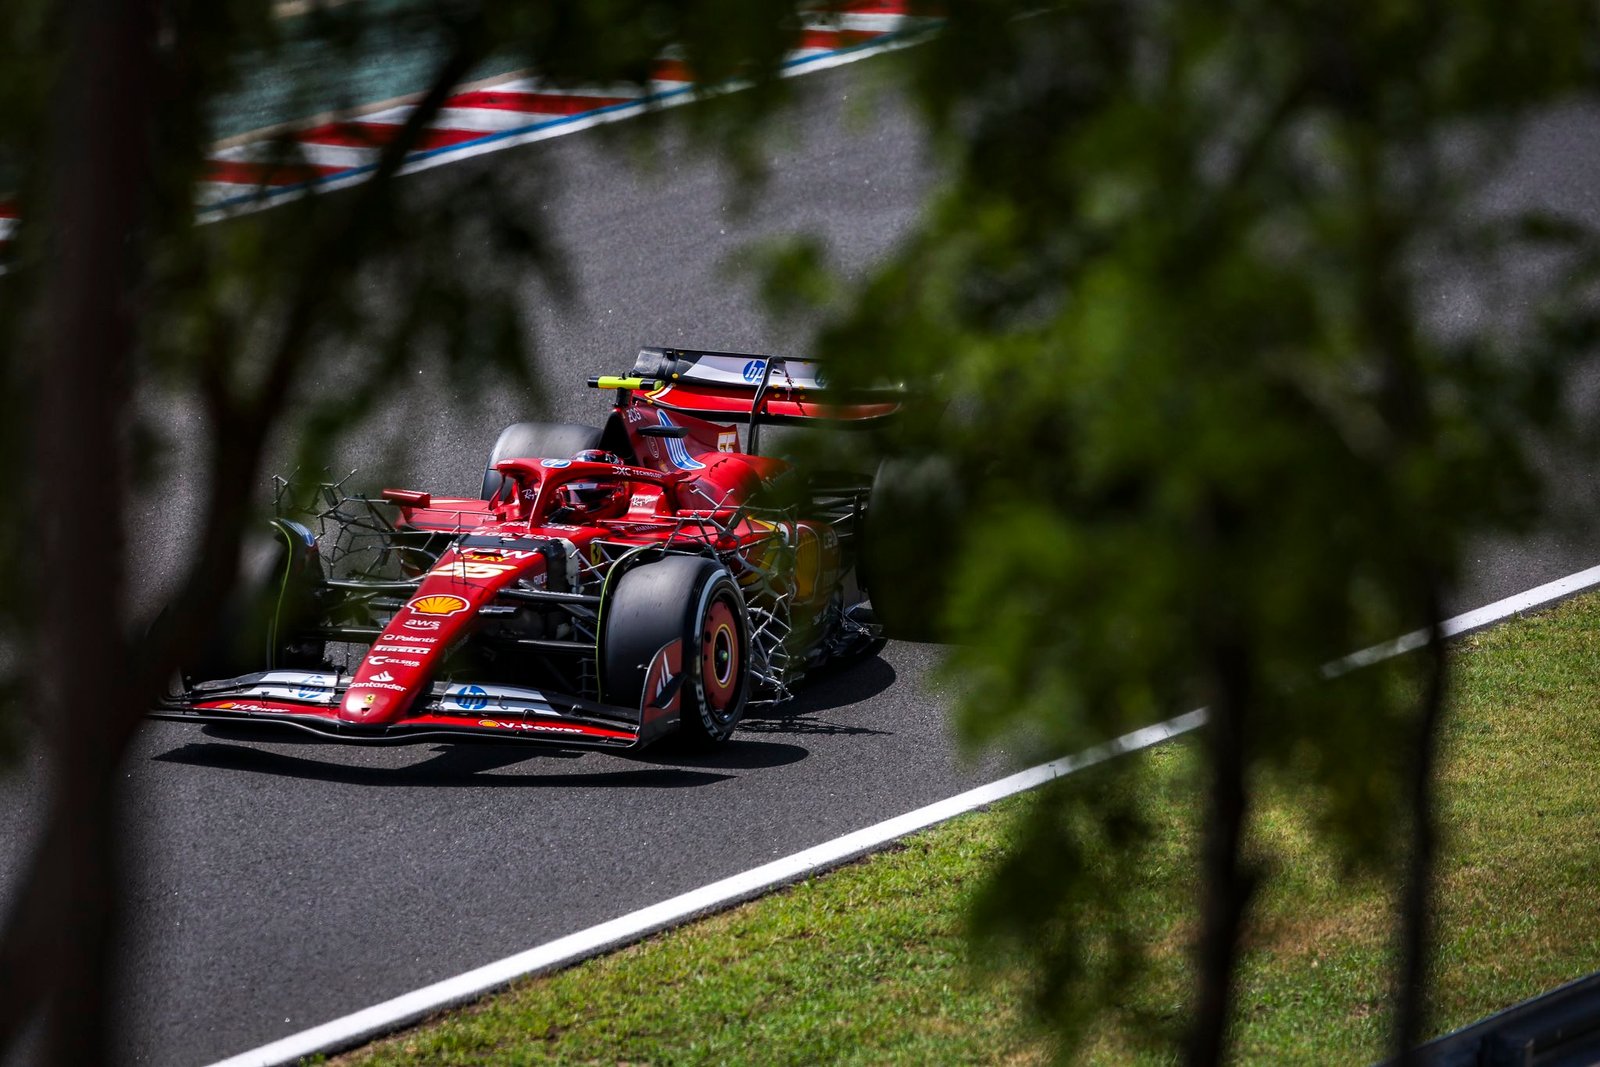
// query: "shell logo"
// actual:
[[437, 604], [487, 722]]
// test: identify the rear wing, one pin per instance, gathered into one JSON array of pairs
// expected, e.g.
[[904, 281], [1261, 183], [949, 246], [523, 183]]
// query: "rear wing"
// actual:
[[741, 387]]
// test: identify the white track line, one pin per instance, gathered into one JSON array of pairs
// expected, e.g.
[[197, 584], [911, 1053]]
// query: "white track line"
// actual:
[[1472, 620], [383, 1018]]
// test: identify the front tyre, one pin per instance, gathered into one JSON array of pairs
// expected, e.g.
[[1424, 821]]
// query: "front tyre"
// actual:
[[275, 604], [685, 611]]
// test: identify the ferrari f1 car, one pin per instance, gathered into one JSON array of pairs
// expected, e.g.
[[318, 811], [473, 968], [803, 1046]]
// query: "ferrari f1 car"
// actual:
[[610, 586]]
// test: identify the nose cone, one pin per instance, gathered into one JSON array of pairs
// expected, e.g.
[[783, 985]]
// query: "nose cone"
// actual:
[[363, 704]]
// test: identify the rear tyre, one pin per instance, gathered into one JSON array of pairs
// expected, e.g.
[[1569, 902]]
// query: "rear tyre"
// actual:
[[690, 605], [535, 440]]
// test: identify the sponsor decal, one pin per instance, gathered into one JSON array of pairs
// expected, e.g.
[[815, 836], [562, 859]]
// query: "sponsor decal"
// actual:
[[542, 727], [468, 697], [378, 661], [753, 370], [472, 696], [643, 500], [727, 440], [312, 688], [242, 706], [438, 604], [379, 685], [472, 570], [663, 682], [369, 700], [491, 555], [597, 555], [556, 464], [405, 650], [423, 624], [678, 452], [382, 676]]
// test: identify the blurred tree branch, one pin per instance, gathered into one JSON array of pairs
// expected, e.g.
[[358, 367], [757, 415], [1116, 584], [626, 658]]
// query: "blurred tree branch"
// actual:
[[1203, 433], [115, 289]]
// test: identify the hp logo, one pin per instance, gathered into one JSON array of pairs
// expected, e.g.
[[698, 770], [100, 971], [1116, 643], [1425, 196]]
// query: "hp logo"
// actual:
[[472, 698], [752, 370]]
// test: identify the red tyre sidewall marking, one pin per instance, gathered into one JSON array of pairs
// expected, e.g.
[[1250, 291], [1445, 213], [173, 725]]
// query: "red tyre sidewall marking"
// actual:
[[720, 629]]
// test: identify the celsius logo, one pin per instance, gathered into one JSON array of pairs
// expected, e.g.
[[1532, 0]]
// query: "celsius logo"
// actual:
[[752, 370], [471, 698]]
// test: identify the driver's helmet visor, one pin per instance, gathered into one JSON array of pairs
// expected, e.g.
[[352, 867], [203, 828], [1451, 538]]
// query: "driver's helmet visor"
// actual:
[[588, 494]]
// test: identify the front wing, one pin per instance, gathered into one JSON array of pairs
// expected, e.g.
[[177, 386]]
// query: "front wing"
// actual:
[[454, 710]]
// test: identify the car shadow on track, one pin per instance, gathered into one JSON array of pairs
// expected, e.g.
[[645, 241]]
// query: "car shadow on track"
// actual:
[[853, 684], [450, 766]]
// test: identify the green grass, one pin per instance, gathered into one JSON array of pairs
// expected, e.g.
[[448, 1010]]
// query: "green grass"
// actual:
[[870, 964]]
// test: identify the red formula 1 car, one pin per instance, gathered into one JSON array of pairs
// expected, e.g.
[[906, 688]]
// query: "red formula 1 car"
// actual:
[[611, 586]]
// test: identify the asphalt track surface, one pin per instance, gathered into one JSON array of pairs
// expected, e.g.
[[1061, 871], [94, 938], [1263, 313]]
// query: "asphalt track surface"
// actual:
[[278, 884]]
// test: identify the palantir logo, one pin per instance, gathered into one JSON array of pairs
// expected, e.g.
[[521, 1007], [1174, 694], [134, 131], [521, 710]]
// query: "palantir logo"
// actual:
[[752, 370], [472, 698]]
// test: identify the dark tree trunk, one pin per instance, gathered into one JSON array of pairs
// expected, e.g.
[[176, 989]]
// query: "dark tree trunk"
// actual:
[[1227, 882], [56, 942], [1416, 902], [57, 938]]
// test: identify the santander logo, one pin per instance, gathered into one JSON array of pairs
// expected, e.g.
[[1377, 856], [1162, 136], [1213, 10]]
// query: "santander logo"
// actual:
[[383, 676]]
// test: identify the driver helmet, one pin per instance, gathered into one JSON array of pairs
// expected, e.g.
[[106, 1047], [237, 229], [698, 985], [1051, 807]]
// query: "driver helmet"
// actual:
[[598, 499]]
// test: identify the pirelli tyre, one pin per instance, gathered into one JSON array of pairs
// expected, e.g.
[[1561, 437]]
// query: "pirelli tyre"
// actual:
[[535, 440], [264, 624], [911, 502], [675, 632]]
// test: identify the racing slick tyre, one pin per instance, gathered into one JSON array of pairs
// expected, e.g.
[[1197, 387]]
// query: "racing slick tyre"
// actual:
[[535, 440], [911, 501], [261, 626], [678, 628]]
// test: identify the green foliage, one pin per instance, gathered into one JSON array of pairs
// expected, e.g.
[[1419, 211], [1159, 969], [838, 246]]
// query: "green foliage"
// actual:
[[1172, 319]]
